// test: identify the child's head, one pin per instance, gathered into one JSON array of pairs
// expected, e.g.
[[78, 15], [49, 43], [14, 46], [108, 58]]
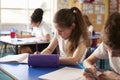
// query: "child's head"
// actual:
[[112, 31], [70, 25], [37, 16], [87, 21]]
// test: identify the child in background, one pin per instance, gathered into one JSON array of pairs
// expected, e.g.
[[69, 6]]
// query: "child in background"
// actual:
[[71, 36], [89, 24], [90, 29], [108, 49], [40, 30]]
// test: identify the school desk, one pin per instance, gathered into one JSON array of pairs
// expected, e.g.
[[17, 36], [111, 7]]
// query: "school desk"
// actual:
[[24, 72], [21, 41]]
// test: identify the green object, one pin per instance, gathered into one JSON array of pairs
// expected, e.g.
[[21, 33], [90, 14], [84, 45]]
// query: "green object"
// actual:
[[4, 76]]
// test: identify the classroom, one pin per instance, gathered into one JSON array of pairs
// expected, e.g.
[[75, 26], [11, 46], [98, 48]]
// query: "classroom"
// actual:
[[59, 39]]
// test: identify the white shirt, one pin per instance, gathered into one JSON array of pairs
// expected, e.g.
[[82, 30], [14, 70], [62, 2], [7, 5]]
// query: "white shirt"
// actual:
[[103, 53], [62, 46], [41, 31], [90, 29]]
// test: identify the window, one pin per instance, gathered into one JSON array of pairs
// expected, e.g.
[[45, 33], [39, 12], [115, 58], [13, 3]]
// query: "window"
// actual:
[[19, 11]]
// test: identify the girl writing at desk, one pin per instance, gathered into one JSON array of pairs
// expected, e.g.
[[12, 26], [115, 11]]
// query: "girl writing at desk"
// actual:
[[40, 30], [71, 36], [108, 49]]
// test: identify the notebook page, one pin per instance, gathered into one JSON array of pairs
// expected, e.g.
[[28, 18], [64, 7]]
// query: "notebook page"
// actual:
[[15, 58], [66, 73]]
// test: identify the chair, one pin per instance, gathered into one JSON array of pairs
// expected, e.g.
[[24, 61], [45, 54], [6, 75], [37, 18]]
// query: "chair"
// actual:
[[2, 48]]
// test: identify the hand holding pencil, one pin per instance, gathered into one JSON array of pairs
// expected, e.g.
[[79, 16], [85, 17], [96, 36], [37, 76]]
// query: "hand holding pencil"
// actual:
[[90, 73], [37, 52]]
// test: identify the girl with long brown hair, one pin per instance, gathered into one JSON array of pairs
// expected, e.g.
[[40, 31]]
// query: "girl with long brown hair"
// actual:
[[71, 36]]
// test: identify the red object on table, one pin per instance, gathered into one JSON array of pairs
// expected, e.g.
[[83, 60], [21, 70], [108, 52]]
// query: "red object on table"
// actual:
[[12, 34]]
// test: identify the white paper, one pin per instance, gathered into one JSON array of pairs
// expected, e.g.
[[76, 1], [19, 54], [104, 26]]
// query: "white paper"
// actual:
[[99, 19], [20, 58], [90, 9], [66, 73], [102, 9], [97, 9]]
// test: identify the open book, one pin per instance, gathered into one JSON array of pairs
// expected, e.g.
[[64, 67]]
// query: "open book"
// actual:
[[20, 58]]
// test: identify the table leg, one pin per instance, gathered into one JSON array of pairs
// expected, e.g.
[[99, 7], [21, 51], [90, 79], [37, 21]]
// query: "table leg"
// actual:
[[16, 49]]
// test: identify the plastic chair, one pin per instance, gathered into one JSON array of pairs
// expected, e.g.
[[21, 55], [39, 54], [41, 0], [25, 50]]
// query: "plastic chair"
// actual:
[[2, 48]]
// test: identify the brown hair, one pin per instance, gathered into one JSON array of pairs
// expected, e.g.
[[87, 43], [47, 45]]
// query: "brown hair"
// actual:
[[87, 21], [111, 34], [65, 18]]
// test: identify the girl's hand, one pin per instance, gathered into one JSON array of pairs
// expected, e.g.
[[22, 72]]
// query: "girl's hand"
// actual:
[[109, 75], [92, 73], [18, 36]]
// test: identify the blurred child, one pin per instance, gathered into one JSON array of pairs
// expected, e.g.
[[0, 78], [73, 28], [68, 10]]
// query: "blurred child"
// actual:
[[40, 30], [89, 24], [108, 49]]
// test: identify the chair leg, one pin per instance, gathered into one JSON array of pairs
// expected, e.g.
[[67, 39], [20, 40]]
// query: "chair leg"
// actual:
[[102, 63], [1, 50]]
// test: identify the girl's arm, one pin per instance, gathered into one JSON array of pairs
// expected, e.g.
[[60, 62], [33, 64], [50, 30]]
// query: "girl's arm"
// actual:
[[46, 37], [23, 36], [109, 75], [90, 60], [53, 44], [89, 65], [77, 55]]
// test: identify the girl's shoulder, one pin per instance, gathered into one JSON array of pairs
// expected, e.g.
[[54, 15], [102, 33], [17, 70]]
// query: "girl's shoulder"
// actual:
[[44, 24]]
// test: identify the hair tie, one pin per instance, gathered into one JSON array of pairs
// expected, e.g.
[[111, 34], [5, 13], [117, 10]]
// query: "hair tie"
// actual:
[[74, 11]]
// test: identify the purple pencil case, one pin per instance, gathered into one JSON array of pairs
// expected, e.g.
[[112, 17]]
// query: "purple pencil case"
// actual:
[[43, 60]]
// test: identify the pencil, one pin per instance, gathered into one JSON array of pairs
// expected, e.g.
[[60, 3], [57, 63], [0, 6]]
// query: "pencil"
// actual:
[[37, 47]]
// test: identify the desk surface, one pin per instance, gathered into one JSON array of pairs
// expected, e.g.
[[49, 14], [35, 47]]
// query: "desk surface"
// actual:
[[24, 72], [21, 41]]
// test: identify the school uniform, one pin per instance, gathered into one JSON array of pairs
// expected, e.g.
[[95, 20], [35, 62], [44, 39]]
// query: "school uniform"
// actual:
[[38, 32], [90, 29], [41, 31], [102, 52], [62, 47]]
